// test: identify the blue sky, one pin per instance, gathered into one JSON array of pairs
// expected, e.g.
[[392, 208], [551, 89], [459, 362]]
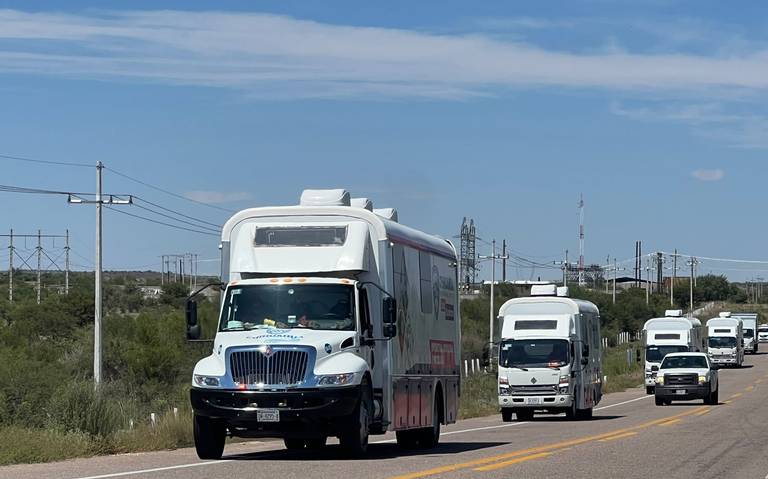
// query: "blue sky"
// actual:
[[500, 111]]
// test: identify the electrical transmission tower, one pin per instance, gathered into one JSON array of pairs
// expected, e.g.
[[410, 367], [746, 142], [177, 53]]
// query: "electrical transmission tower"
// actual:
[[581, 240], [25, 256], [179, 268], [467, 255]]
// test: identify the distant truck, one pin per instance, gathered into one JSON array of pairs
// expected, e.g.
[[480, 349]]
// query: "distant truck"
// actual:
[[749, 323], [671, 334], [549, 355], [725, 341], [762, 333], [687, 376], [336, 320]]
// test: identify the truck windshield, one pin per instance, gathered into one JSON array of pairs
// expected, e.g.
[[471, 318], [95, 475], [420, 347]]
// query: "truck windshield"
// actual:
[[655, 354], [748, 333], [534, 353], [679, 362], [310, 306], [722, 342]]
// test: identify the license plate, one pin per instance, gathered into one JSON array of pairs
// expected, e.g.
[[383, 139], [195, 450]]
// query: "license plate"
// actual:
[[681, 391], [533, 401], [268, 415]]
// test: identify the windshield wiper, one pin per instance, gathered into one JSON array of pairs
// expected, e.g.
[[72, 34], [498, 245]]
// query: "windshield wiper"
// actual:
[[510, 365]]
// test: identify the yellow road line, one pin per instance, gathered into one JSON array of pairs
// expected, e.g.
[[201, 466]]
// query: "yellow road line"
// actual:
[[758, 381], [619, 436], [727, 402], [669, 423], [500, 465], [701, 413], [749, 388], [535, 450], [734, 396]]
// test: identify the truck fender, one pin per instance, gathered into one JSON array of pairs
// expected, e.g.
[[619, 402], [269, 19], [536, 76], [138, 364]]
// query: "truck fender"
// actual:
[[342, 362]]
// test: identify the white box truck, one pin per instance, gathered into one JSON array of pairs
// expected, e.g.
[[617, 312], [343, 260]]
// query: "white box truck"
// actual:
[[336, 320], [671, 334], [749, 323], [725, 341], [549, 355], [762, 333]]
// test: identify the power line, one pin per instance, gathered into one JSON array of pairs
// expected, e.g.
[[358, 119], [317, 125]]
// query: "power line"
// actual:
[[46, 162], [176, 219], [163, 190], [176, 212], [161, 222]]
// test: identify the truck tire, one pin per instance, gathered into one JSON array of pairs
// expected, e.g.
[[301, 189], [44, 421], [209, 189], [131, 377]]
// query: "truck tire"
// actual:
[[716, 396], [570, 412], [583, 414], [294, 444], [650, 390], [429, 437], [506, 414], [659, 401], [524, 414], [209, 435], [355, 440], [407, 439]]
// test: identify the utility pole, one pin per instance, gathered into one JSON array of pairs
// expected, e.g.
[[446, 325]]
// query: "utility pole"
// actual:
[[692, 262], [491, 315], [564, 266], [504, 261], [648, 280], [615, 271], [66, 264], [99, 201], [10, 270], [659, 273], [39, 261], [674, 278]]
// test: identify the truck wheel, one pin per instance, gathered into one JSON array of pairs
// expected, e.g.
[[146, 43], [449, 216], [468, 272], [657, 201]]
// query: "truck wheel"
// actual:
[[524, 414], [209, 435], [407, 439], [355, 440], [506, 414], [716, 397], [659, 401], [570, 412], [429, 437], [294, 444], [649, 390], [584, 413]]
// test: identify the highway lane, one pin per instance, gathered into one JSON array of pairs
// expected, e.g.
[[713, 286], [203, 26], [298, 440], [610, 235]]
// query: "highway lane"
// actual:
[[629, 437]]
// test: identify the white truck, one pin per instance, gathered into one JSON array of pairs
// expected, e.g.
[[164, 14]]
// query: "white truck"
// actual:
[[687, 376], [762, 333], [725, 340], [336, 320], [671, 334], [749, 326], [549, 355]]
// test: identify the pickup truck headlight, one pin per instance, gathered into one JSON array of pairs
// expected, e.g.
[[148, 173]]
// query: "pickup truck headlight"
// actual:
[[336, 379], [702, 379], [660, 379], [206, 381]]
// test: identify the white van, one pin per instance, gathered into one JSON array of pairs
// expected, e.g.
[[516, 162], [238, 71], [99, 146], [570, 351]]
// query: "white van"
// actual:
[[549, 355], [336, 320], [725, 340], [671, 334]]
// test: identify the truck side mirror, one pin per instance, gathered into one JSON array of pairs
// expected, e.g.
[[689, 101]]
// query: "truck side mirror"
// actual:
[[654, 368], [193, 328], [390, 330], [585, 350], [584, 361], [389, 313]]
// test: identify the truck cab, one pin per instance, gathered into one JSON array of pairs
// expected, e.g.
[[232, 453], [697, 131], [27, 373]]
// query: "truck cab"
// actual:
[[685, 377], [749, 328], [762, 333], [549, 355]]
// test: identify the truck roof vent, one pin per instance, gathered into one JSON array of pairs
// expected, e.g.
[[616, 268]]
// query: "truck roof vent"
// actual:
[[725, 314], [387, 213], [364, 203], [673, 313], [335, 197], [562, 291], [543, 290]]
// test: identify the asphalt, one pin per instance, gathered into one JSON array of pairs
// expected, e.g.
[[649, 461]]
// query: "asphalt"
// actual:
[[628, 437]]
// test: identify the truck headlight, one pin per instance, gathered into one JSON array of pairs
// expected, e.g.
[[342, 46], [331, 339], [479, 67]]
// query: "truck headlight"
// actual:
[[702, 379], [336, 379], [206, 381], [660, 379]]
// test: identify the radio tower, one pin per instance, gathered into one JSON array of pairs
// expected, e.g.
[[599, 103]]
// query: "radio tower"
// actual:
[[581, 240], [467, 256]]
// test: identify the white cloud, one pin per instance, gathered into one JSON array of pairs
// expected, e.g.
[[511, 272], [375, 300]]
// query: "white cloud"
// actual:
[[708, 175], [278, 56], [214, 197]]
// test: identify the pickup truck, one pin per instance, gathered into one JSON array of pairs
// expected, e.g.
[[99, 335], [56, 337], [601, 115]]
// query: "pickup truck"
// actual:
[[685, 377]]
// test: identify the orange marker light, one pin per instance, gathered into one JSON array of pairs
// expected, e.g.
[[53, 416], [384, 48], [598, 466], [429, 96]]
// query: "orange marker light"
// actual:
[[287, 280], [273, 280], [302, 280]]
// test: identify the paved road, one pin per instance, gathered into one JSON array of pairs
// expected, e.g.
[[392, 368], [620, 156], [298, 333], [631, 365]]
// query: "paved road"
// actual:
[[629, 437]]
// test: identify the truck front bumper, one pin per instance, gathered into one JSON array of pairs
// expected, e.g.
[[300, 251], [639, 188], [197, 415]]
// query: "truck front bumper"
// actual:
[[303, 412], [723, 359], [553, 401], [698, 391], [650, 379]]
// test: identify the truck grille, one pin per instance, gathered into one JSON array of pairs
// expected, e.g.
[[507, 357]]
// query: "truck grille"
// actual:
[[533, 390], [281, 368], [681, 379]]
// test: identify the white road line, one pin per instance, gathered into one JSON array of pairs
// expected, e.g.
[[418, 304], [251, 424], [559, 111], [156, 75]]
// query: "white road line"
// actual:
[[156, 469], [386, 441]]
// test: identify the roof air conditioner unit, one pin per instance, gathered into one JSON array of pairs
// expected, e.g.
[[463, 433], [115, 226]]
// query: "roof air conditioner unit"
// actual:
[[336, 197], [543, 290], [363, 203], [387, 213]]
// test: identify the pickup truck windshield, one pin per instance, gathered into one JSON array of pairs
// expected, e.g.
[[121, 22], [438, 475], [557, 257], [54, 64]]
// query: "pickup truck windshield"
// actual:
[[722, 342], [655, 354], [310, 306], [534, 353], [683, 362]]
